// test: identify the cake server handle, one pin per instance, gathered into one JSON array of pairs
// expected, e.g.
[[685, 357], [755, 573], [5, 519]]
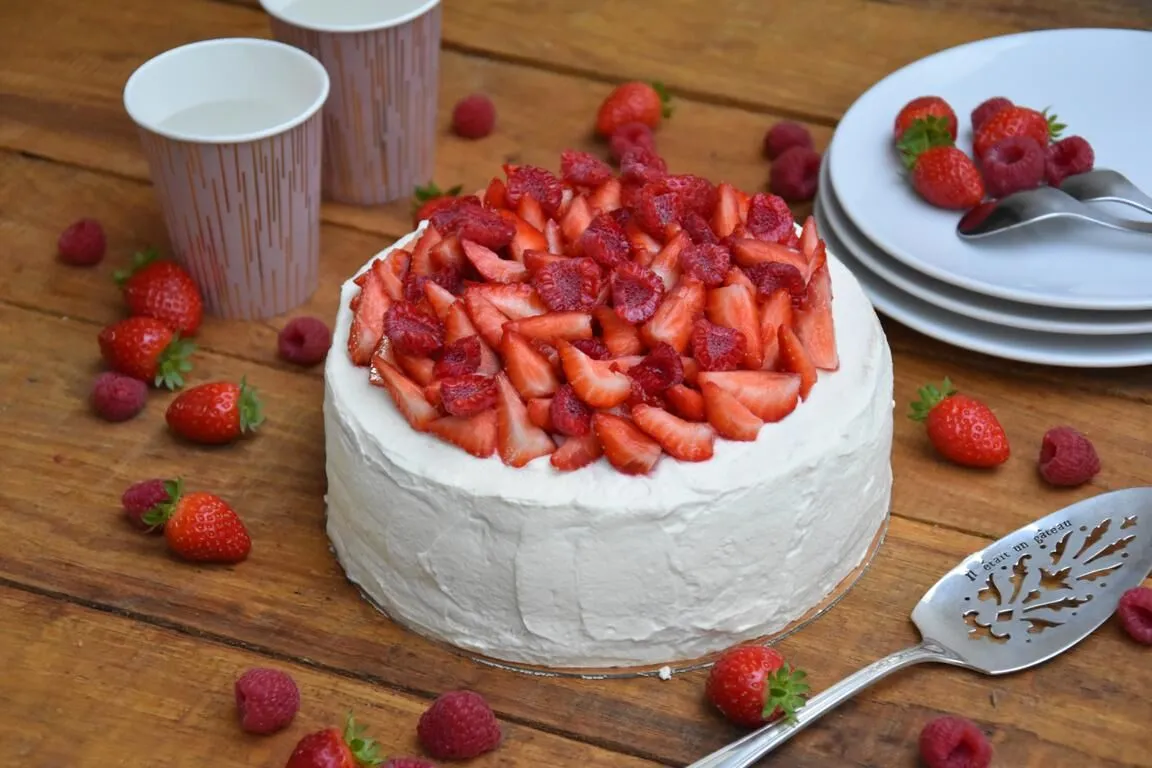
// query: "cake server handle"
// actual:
[[746, 751]]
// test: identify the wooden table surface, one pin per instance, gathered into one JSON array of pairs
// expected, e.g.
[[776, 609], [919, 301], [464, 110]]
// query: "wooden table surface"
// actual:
[[112, 654]]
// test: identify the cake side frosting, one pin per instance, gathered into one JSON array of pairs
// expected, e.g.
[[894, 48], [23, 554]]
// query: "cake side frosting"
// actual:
[[593, 568]]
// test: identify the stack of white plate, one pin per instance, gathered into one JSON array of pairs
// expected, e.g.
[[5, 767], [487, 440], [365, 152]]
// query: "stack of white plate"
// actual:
[[1059, 293]]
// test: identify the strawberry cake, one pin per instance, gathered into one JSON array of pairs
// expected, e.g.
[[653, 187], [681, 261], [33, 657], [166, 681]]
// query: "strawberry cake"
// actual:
[[587, 421]]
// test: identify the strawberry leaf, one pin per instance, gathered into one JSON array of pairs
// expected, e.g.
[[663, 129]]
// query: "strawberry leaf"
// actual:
[[1055, 127], [365, 750], [431, 192], [785, 691], [665, 97], [140, 260], [174, 363], [930, 397], [922, 135], [251, 409], [160, 513]]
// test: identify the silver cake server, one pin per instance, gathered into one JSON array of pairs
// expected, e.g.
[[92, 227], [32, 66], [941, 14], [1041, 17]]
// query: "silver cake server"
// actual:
[[1022, 209], [1029, 597]]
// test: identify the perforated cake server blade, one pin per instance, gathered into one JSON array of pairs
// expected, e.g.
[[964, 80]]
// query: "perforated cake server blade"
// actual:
[[1029, 597]]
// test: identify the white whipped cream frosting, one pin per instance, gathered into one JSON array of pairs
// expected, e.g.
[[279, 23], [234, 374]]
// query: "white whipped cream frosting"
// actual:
[[593, 568]]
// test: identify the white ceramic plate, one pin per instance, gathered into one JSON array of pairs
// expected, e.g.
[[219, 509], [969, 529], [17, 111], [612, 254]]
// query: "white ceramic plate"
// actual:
[[1088, 77], [996, 340], [975, 305]]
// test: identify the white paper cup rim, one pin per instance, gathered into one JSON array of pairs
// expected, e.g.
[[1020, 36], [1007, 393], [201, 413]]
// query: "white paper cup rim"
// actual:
[[275, 8]]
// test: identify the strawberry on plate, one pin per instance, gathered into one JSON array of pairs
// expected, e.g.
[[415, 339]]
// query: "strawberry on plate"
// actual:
[[961, 428], [215, 413], [633, 102], [200, 527], [931, 108], [153, 287], [147, 349], [333, 748], [940, 173], [1016, 121], [752, 685]]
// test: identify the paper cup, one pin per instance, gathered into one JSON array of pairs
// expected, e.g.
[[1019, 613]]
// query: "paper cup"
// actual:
[[383, 57], [232, 129]]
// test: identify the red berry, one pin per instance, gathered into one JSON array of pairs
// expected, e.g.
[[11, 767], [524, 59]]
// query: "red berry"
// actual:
[[783, 136], [537, 183], [751, 685], [1068, 157], [458, 358], [267, 700], [1067, 457], [630, 136], [568, 285], [660, 369], [636, 292], [633, 102], [795, 174], [582, 169], [458, 726], [304, 341], [1012, 165], [988, 108], [605, 240], [716, 347], [641, 165], [953, 742], [140, 499], [570, 416], [116, 397], [215, 413], [594, 348], [468, 219], [929, 108], [656, 208], [707, 263], [697, 195], [1135, 611], [82, 244], [154, 287], [412, 329], [473, 117], [770, 218], [698, 229], [771, 276], [469, 394]]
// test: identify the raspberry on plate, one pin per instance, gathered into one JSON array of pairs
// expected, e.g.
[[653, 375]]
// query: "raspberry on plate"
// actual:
[[1135, 612], [1069, 157], [1067, 457], [783, 136], [1013, 165], [82, 244], [473, 117], [988, 108], [116, 397], [795, 174], [953, 742], [266, 700], [458, 726]]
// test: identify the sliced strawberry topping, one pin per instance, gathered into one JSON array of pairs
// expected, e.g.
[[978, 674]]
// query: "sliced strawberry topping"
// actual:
[[448, 280], [486, 319], [538, 183], [594, 348], [518, 440], [594, 381], [384, 352], [439, 298], [408, 397], [606, 198], [769, 395], [642, 165], [458, 358], [605, 241], [421, 370], [698, 229], [717, 348], [748, 252], [554, 325], [808, 237], [680, 439], [774, 312], [568, 414], [491, 266], [467, 395], [582, 169], [770, 218], [814, 325], [636, 292], [528, 370], [772, 276], [577, 452], [698, 196], [737, 276], [641, 396], [554, 236], [421, 261], [729, 416], [575, 220], [568, 284], [527, 237], [675, 317], [657, 209], [734, 306], [514, 300], [530, 211], [619, 337], [540, 412], [413, 330], [368, 318], [535, 261], [666, 263], [685, 402], [794, 357], [448, 254], [496, 194], [468, 219], [476, 435], [392, 273], [707, 263], [644, 247], [627, 449], [726, 216], [661, 369]]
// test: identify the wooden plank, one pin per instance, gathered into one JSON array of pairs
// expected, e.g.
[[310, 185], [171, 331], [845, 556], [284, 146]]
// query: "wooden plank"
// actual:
[[80, 682], [291, 599]]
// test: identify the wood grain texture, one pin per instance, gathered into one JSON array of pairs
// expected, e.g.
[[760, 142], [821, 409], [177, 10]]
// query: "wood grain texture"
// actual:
[[290, 598], [108, 683]]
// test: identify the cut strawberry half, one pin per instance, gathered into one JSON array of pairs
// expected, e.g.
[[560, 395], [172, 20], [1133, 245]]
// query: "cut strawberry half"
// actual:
[[737, 276], [676, 316], [727, 214], [527, 237], [729, 416], [491, 266], [421, 370], [666, 263], [448, 254], [384, 352], [644, 247], [594, 381], [620, 337], [576, 219], [368, 319], [530, 211], [794, 357], [606, 197], [439, 298], [680, 439], [528, 370], [748, 252], [392, 272], [775, 311], [734, 306], [537, 260], [540, 413], [409, 398], [768, 394], [476, 435], [685, 402], [421, 261], [496, 194], [814, 324], [554, 237], [486, 319], [514, 300], [518, 440], [809, 238], [627, 448], [577, 452], [554, 325]]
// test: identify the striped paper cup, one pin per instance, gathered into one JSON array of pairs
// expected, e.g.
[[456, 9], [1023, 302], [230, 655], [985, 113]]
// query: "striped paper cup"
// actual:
[[231, 129], [383, 57]]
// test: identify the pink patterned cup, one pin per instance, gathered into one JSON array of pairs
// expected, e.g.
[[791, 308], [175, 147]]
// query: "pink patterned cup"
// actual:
[[231, 129], [383, 57]]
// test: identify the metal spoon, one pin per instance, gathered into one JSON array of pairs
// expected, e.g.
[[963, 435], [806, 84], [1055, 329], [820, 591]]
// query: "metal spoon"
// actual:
[[1104, 185], [1024, 208], [1030, 596]]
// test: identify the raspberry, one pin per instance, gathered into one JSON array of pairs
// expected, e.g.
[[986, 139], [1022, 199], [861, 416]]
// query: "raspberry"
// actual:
[[698, 229], [988, 108], [707, 263], [82, 244], [953, 742], [660, 369], [1067, 457], [605, 240], [448, 278], [304, 341], [697, 195], [630, 136], [770, 218], [636, 292], [594, 348], [458, 358], [582, 169], [570, 416], [267, 700], [407, 762], [140, 498], [469, 394], [473, 117], [535, 182], [412, 329], [468, 219], [717, 348], [1068, 157], [641, 396], [641, 165], [458, 726], [116, 397], [783, 136], [656, 209], [1013, 164], [771, 276], [568, 285], [1135, 611], [794, 174]]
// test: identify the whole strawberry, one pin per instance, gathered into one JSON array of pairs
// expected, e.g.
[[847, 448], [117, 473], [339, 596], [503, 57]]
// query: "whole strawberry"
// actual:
[[331, 748], [1016, 121], [215, 413], [200, 527], [458, 726], [427, 200], [939, 172], [147, 349], [163, 290], [924, 107], [961, 428], [633, 102], [751, 685]]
